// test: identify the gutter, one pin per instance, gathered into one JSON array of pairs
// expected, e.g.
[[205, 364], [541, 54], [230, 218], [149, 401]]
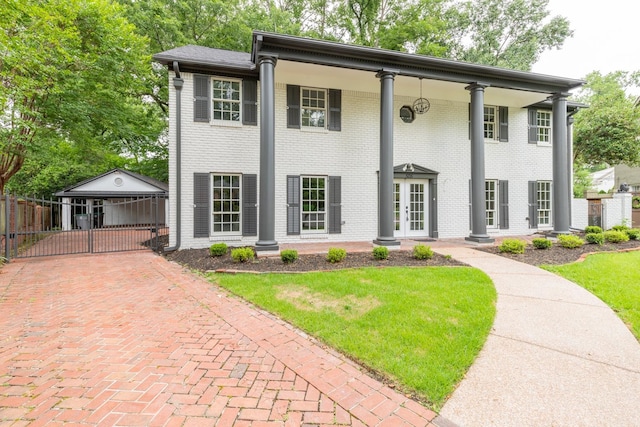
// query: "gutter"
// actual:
[[178, 82]]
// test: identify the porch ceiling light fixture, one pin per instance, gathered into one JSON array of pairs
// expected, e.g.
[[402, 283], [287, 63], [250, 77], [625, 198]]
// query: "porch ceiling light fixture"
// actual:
[[421, 105]]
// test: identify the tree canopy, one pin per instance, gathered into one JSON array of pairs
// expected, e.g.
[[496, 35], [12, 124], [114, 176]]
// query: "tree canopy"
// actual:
[[76, 77], [609, 130]]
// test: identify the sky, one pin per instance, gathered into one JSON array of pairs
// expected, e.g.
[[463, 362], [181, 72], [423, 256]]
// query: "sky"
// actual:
[[603, 39]]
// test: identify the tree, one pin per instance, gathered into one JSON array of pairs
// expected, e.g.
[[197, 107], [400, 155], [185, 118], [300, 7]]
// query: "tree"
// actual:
[[70, 70], [506, 33], [609, 130]]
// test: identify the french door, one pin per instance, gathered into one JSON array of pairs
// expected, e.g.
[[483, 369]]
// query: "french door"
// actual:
[[411, 208]]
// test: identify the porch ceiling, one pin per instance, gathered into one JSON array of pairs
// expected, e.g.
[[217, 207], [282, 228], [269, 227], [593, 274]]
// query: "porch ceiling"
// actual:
[[366, 81]]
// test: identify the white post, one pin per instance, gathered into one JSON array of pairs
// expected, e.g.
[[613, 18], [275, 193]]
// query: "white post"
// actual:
[[66, 213]]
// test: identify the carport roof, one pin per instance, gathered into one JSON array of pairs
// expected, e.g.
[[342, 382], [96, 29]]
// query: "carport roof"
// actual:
[[101, 187]]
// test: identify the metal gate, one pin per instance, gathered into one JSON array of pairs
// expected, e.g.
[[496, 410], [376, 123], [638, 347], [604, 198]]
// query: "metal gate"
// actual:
[[33, 227]]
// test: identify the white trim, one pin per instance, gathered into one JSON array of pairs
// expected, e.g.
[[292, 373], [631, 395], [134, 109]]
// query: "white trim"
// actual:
[[212, 232], [223, 122]]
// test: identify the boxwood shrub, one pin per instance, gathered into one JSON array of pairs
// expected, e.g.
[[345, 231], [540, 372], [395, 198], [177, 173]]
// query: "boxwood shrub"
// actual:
[[218, 249], [541, 243], [381, 252], [592, 229], [336, 255], [633, 233], [570, 241], [288, 255], [616, 236], [242, 254], [422, 252], [512, 246], [594, 238]]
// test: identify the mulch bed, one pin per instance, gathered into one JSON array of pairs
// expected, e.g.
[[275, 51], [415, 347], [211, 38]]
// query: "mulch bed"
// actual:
[[199, 259], [557, 255]]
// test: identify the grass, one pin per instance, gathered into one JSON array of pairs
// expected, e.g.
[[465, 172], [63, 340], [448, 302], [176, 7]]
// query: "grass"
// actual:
[[419, 327], [614, 278]]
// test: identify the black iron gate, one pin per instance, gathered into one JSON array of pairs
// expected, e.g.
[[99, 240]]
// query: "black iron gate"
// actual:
[[33, 227]]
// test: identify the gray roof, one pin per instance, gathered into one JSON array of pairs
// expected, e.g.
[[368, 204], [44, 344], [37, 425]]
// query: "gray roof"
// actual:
[[192, 55], [163, 188], [335, 54]]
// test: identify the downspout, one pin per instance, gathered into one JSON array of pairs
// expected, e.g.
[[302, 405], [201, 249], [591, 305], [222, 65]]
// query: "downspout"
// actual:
[[178, 82], [570, 120]]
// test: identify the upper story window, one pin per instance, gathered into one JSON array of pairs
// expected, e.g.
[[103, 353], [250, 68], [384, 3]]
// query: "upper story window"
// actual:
[[495, 123], [489, 122], [543, 121], [314, 107], [226, 100], [540, 126]]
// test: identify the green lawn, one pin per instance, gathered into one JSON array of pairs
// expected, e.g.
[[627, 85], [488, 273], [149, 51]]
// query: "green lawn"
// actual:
[[614, 278], [420, 327]]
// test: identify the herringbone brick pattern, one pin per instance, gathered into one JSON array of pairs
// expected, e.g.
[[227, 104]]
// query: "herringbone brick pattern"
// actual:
[[132, 340]]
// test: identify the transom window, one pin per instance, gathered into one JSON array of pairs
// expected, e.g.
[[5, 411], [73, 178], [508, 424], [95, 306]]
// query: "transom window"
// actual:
[[544, 202], [314, 108], [314, 196], [491, 203], [543, 123], [226, 204], [226, 100], [490, 119]]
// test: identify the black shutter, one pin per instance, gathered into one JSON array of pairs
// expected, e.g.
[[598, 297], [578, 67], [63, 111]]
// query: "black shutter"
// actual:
[[201, 100], [533, 126], [470, 207], [503, 196], [201, 209], [293, 106], [293, 204], [335, 109], [249, 205], [469, 120], [335, 205], [433, 207], [503, 117], [533, 204], [250, 102]]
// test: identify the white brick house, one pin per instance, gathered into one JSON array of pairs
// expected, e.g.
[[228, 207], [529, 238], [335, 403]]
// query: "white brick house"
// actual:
[[308, 140]]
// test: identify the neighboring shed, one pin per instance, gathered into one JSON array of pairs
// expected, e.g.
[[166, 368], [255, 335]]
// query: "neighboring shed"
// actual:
[[115, 198]]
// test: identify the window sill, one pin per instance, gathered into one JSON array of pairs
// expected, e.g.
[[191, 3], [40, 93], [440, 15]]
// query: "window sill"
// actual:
[[313, 130], [317, 236], [226, 123], [544, 144], [225, 238]]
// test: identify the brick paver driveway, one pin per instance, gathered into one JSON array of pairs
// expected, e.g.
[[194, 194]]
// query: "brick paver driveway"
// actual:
[[130, 339]]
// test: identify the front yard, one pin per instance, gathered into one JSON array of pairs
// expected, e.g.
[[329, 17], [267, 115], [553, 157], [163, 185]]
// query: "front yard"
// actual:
[[419, 329]]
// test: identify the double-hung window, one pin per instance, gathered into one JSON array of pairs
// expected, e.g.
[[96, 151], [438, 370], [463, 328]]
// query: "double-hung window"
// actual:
[[543, 123], [544, 202], [314, 204], [491, 201], [226, 100], [490, 126], [226, 202], [314, 108]]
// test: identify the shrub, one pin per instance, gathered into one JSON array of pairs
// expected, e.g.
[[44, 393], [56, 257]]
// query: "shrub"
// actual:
[[218, 249], [242, 254], [592, 229], [570, 241], [288, 255], [595, 238], [336, 255], [621, 227], [512, 246], [616, 236], [541, 243], [633, 233], [422, 252], [381, 252]]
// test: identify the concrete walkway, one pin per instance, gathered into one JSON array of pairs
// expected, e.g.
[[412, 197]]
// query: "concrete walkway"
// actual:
[[556, 355]]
